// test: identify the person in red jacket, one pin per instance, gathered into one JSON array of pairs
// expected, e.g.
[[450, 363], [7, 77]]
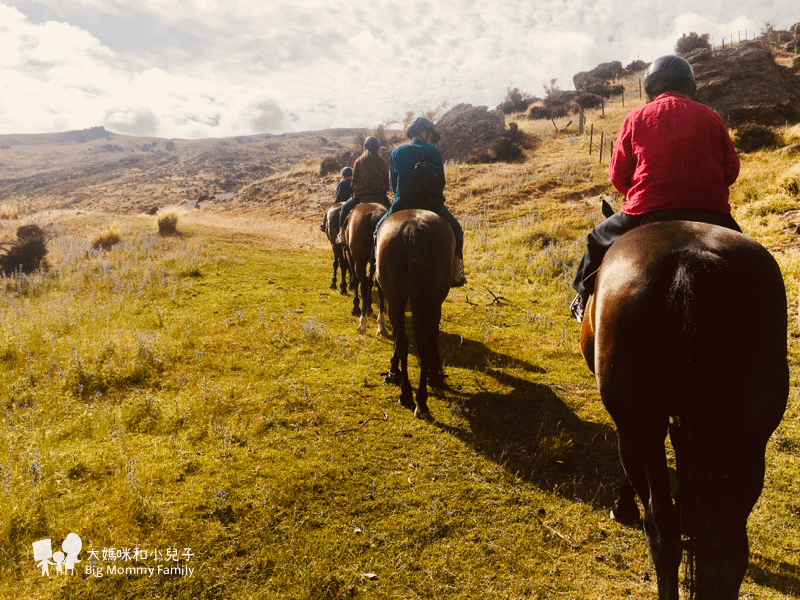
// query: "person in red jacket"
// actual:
[[674, 157]]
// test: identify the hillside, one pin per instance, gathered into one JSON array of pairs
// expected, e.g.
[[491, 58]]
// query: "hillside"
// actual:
[[98, 170]]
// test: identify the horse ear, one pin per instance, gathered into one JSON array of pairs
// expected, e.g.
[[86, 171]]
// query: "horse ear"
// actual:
[[607, 210]]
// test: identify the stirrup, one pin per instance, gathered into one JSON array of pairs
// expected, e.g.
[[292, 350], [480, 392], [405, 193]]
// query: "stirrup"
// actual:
[[576, 308]]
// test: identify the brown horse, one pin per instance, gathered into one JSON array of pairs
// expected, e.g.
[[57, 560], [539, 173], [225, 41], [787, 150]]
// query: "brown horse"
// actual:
[[688, 323], [415, 250], [361, 254], [339, 259]]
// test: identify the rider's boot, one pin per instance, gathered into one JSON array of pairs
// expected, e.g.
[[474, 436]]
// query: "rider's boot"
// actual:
[[458, 273]]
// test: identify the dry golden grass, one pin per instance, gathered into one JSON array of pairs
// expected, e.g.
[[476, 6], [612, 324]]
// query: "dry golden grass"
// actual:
[[8, 212], [791, 135]]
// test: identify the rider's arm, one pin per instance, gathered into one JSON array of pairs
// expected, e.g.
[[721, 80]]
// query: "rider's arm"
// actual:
[[623, 161]]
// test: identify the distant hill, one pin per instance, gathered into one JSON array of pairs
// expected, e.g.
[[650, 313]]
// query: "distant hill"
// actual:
[[56, 139], [94, 169]]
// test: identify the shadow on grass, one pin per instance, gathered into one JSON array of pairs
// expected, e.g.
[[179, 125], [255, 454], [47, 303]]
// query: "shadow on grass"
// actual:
[[530, 431], [778, 575]]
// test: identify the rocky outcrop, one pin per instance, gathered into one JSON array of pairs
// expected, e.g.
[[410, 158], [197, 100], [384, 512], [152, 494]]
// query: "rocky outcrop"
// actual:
[[598, 80], [468, 131], [745, 84]]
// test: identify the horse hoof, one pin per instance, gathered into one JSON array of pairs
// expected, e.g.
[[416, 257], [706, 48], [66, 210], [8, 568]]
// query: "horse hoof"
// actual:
[[333, 286], [438, 383], [422, 414], [355, 312], [343, 291], [627, 518]]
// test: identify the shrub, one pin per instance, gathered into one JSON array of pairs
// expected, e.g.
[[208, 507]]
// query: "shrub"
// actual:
[[515, 102], [26, 252], [791, 185], [168, 222], [106, 239], [752, 136], [690, 42], [503, 149]]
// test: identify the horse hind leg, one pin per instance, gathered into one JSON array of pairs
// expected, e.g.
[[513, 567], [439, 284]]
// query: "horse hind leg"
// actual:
[[425, 334], [366, 289], [726, 478], [343, 268], [398, 368], [645, 464], [625, 510], [356, 276], [335, 266], [436, 375], [382, 331]]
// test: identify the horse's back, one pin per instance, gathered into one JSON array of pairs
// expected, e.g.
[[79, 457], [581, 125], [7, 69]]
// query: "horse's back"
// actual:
[[332, 220], [695, 312], [361, 226]]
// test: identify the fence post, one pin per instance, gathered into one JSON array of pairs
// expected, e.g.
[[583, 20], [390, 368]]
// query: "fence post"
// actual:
[[603, 105], [602, 137], [581, 121], [623, 96], [640, 88], [591, 138]]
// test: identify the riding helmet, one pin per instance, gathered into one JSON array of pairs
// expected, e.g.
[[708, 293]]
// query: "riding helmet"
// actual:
[[372, 143], [419, 125], [669, 74], [347, 172]]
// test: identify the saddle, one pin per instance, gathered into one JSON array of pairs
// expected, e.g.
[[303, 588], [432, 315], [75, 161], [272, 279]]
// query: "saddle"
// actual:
[[363, 199], [699, 215]]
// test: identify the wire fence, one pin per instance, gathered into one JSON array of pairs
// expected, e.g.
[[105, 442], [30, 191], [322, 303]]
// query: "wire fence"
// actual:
[[600, 143]]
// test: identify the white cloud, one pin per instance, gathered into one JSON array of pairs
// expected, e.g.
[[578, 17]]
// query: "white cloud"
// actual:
[[201, 68]]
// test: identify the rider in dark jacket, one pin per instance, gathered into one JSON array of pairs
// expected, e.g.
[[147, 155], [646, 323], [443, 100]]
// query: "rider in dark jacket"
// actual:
[[344, 189], [423, 135]]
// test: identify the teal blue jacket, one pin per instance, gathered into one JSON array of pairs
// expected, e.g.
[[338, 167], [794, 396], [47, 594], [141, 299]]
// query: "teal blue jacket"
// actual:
[[401, 167]]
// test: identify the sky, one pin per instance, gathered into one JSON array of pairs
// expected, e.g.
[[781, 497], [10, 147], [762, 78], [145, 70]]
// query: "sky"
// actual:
[[191, 69]]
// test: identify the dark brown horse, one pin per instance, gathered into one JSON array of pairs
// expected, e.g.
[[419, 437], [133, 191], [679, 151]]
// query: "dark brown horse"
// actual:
[[415, 250], [339, 259], [688, 324], [359, 236]]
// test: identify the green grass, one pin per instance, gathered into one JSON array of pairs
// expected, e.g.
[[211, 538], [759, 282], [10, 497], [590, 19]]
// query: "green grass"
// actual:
[[207, 391], [216, 396]]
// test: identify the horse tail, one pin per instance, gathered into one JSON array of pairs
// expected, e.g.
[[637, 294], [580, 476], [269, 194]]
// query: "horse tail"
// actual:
[[695, 288], [423, 255], [696, 292]]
